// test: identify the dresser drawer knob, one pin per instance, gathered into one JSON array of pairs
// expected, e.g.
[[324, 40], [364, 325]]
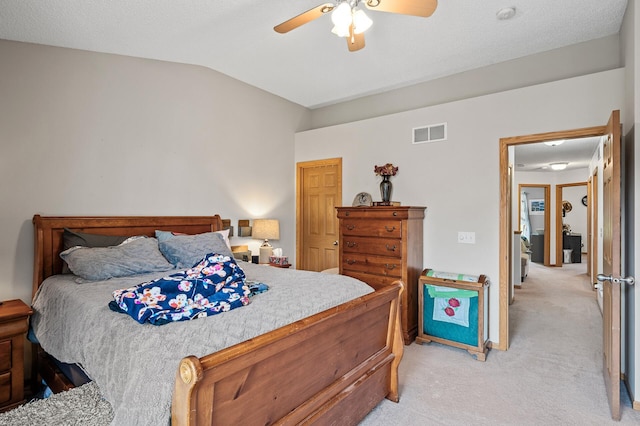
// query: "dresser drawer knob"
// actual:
[[395, 213], [391, 248], [351, 244], [390, 266], [390, 229], [351, 227], [350, 261]]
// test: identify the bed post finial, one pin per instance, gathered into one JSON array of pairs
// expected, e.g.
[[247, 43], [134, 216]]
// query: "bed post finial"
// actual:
[[190, 370]]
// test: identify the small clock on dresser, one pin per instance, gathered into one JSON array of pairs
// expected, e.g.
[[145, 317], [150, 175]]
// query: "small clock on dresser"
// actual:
[[362, 199]]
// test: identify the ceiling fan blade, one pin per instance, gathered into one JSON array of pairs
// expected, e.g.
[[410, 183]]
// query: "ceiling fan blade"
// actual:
[[303, 18], [424, 8], [355, 41]]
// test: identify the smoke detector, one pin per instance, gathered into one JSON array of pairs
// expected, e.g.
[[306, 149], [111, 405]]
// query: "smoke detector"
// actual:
[[506, 13]]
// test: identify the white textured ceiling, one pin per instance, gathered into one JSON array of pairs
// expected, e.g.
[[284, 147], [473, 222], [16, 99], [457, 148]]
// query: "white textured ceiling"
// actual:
[[537, 157], [309, 65]]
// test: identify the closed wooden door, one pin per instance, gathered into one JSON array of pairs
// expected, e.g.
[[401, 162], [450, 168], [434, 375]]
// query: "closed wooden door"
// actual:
[[319, 192], [611, 263]]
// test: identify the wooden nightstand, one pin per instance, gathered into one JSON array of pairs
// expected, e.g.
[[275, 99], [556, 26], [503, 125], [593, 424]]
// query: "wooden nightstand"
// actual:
[[14, 322]]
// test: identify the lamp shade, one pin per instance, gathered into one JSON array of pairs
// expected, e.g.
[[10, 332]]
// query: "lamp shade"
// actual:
[[267, 229]]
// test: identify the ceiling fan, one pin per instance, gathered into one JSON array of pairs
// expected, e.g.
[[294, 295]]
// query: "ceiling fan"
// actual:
[[351, 22]]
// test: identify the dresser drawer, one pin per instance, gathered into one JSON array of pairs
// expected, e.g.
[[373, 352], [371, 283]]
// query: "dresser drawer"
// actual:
[[5, 355], [372, 228], [376, 265], [379, 246]]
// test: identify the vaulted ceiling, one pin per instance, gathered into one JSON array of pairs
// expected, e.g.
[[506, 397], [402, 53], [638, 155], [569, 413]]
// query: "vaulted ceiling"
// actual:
[[310, 65]]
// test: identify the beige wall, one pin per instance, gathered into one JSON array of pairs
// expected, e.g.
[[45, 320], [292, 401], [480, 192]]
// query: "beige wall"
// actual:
[[85, 133], [458, 179]]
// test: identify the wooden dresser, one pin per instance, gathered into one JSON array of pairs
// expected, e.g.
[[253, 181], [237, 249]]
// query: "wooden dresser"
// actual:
[[14, 321], [380, 245]]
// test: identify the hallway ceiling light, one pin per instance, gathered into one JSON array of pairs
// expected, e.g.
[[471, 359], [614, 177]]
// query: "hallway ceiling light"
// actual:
[[559, 166], [554, 143]]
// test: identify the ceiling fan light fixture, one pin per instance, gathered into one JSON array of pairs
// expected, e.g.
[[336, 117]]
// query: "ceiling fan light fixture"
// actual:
[[361, 22], [558, 166], [341, 31], [341, 15]]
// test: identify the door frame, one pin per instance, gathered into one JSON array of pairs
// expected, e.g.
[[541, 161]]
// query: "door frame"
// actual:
[[547, 216], [300, 167], [506, 211], [595, 235], [559, 196]]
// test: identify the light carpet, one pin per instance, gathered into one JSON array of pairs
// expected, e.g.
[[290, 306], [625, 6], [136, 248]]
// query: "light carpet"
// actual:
[[551, 375]]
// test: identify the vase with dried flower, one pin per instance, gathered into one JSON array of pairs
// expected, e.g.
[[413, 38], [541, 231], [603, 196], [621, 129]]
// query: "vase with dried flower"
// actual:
[[386, 187]]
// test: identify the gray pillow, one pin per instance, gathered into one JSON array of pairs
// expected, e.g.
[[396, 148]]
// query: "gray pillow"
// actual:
[[138, 256], [184, 251], [73, 238]]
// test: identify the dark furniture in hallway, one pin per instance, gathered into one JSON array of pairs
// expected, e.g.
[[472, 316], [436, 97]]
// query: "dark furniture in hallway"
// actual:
[[573, 242], [537, 248]]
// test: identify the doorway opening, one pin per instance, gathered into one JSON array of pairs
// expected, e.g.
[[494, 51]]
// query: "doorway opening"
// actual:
[[506, 212], [571, 223], [535, 220]]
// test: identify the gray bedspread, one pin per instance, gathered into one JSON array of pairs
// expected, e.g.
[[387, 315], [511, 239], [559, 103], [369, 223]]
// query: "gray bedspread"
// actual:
[[134, 365]]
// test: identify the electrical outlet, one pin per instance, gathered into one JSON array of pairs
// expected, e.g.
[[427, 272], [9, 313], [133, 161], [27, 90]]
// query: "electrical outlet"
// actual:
[[466, 237]]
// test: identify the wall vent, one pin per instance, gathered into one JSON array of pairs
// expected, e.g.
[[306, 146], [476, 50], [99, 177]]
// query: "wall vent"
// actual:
[[432, 133]]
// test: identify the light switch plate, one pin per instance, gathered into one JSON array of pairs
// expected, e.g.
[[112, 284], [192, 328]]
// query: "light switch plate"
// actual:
[[466, 237]]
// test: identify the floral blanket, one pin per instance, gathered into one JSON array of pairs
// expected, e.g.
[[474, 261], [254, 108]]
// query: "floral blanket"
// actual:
[[216, 284]]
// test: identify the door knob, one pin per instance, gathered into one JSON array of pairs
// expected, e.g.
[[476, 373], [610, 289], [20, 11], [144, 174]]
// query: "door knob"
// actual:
[[628, 280], [335, 243]]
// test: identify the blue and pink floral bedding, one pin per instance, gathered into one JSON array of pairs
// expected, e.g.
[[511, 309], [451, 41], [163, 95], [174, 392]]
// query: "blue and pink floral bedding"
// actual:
[[215, 284]]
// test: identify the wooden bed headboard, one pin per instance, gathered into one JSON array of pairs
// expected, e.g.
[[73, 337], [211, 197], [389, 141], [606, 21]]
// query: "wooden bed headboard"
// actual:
[[48, 234]]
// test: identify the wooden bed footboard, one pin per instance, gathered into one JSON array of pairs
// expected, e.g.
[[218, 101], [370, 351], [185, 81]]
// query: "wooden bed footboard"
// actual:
[[332, 367]]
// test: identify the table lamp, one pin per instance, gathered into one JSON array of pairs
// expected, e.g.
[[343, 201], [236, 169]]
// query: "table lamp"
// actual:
[[266, 229]]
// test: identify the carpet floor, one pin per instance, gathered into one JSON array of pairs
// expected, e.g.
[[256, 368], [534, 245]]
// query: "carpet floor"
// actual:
[[551, 375]]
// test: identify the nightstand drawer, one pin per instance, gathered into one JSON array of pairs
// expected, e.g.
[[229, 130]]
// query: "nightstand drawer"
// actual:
[[5, 355], [14, 322], [372, 228], [377, 265], [5, 387], [379, 246]]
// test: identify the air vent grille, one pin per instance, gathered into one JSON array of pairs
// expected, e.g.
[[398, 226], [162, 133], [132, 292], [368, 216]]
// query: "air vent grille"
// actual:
[[431, 133]]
